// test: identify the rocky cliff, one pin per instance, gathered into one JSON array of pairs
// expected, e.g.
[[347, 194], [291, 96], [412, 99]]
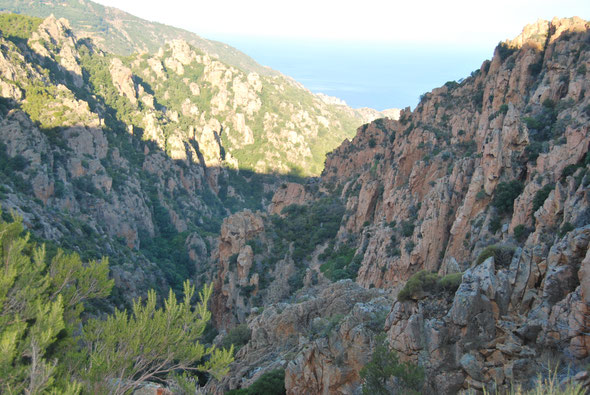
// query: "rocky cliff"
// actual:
[[485, 182], [141, 157]]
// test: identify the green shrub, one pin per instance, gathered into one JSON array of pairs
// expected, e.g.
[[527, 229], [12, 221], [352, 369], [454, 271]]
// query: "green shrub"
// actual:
[[341, 263], [233, 260], [296, 280], [535, 68], [540, 125], [521, 232], [383, 366], [238, 336], [450, 282], [428, 282], [542, 195], [307, 226], [505, 194], [409, 246], [481, 195], [502, 254], [270, 383], [566, 228], [504, 51], [469, 147], [569, 170], [392, 247], [407, 228], [418, 283]]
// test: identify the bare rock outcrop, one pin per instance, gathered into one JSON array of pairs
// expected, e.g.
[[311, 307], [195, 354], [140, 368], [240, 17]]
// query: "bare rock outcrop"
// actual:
[[320, 341], [286, 195]]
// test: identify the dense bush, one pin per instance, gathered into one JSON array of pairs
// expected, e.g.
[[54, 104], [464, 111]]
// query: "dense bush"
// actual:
[[543, 126], [307, 226], [424, 282], [495, 224], [566, 228], [535, 68], [270, 383], [504, 51], [450, 282], [417, 284], [502, 254], [296, 280], [505, 194], [340, 263], [393, 247], [238, 336], [385, 374], [407, 228], [521, 232]]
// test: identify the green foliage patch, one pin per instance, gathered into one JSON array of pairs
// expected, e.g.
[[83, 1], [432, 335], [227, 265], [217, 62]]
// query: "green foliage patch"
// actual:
[[424, 282], [505, 194], [502, 254], [18, 28], [521, 232], [270, 383], [47, 349], [308, 226], [542, 195], [237, 337], [340, 263], [504, 50], [385, 374]]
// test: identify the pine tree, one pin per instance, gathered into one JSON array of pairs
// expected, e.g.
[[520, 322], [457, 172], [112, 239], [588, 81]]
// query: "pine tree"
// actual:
[[42, 349], [39, 305], [129, 349]]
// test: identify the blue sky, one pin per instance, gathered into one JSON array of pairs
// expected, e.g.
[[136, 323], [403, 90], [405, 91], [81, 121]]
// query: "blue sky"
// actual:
[[458, 22], [371, 53]]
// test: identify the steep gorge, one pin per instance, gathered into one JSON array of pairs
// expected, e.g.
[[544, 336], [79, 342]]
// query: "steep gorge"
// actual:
[[141, 157], [485, 184], [487, 180]]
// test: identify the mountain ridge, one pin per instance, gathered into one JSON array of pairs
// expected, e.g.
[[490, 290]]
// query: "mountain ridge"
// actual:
[[94, 20]]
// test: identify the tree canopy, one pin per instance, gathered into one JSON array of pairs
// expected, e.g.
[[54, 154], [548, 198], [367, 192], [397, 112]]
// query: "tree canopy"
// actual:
[[46, 347]]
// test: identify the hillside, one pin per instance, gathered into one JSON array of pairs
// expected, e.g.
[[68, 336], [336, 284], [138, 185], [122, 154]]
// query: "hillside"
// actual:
[[141, 157], [265, 121], [121, 33], [461, 232]]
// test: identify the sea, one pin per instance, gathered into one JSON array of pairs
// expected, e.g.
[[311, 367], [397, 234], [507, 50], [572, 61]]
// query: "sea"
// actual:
[[379, 75]]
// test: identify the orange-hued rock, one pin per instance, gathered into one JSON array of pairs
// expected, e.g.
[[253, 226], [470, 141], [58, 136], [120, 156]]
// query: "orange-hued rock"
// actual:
[[321, 341], [235, 259], [428, 192], [287, 194], [236, 230]]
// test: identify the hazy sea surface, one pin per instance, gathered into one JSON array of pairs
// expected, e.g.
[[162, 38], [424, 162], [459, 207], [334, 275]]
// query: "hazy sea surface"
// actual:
[[377, 75]]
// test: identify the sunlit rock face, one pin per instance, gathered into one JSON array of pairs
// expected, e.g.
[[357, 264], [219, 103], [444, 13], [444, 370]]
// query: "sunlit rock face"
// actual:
[[494, 164]]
